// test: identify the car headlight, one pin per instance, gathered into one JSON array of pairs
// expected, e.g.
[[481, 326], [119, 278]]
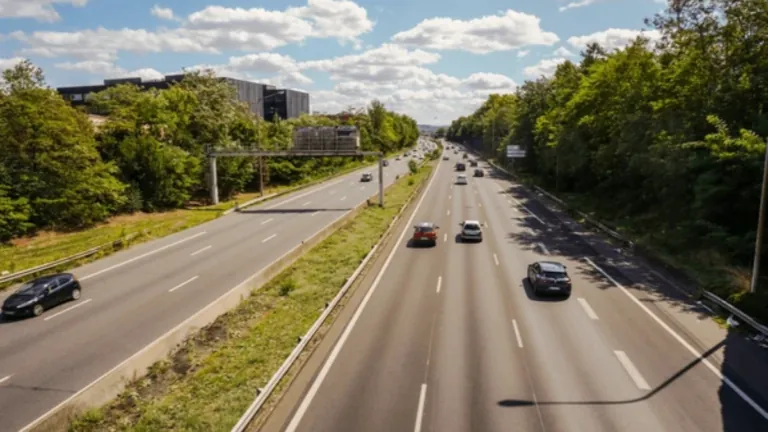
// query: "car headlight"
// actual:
[[27, 303]]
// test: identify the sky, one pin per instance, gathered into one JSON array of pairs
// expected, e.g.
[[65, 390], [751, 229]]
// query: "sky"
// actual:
[[434, 60]]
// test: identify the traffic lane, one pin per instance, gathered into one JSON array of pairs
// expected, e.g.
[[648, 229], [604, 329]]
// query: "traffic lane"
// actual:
[[475, 359], [374, 382], [93, 348], [679, 385], [693, 344], [573, 365]]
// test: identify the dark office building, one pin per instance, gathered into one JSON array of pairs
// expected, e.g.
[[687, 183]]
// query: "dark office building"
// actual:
[[285, 103], [261, 98]]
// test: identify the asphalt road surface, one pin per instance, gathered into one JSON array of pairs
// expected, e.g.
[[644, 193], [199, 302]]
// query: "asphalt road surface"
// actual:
[[131, 298], [451, 338]]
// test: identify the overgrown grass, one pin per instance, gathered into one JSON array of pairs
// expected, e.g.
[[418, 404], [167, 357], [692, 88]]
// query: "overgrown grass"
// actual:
[[208, 383], [49, 246]]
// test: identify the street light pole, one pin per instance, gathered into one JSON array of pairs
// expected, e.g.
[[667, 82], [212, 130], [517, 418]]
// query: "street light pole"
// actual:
[[760, 226]]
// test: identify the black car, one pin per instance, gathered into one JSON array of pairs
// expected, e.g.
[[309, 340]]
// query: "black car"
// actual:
[[473, 163], [479, 173], [549, 277], [460, 167], [385, 162], [45, 292], [366, 177]]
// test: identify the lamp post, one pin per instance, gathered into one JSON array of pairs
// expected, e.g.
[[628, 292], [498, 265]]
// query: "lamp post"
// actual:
[[760, 226]]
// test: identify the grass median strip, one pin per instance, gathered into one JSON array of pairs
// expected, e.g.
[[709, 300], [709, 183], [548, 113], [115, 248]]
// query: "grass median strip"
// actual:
[[210, 381]]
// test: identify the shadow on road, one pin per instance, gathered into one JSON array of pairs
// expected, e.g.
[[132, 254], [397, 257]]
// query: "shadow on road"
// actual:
[[290, 211], [420, 245], [539, 297]]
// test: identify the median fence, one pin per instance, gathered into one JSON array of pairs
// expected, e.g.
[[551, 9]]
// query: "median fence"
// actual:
[[636, 249]]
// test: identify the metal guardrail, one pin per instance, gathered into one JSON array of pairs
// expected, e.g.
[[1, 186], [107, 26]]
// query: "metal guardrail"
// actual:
[[733, 310], [53, 264]]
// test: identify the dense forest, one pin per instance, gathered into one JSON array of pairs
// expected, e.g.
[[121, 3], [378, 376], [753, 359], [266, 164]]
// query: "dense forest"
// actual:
[[664, 139], [59, 171]]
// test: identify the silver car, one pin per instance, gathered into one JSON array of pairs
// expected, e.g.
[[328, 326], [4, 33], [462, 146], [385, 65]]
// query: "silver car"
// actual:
[[471, 230]]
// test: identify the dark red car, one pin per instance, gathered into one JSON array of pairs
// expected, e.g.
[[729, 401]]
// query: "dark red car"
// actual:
[[425, 232]]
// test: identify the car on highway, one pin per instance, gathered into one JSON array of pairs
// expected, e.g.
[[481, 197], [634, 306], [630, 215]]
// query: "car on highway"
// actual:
[[466, 156], [460, 166], [34, 297], [398, 158], [479, 173], [425, 232], [471, 230], [385, 162], [549, 277], [366, 177], [461, 179], [446, 158], [473, 163]]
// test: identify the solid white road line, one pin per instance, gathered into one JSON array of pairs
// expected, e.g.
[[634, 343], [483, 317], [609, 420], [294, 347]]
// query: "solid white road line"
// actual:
[[200, 250], [306, 203], [67, 309], [267, 221], [269, 238], [685, 344], [315, 213], [543, 248], [302, 409], [632, 370], [445, 237], [496, 259], [190, 280], [420, 412], [4, 379], [343, 198], [587, 308], [517, 334], [144, 255], [534, 215], [439, 282]]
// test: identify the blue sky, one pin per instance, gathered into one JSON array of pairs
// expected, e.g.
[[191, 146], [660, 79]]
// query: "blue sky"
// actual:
[[434, 60]]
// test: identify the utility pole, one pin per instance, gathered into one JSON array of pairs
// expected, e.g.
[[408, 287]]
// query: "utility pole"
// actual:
[[760, 226], [261, 175], [381, 179], [214, 181]]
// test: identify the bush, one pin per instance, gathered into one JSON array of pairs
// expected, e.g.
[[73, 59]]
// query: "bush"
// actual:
[[413, 166]]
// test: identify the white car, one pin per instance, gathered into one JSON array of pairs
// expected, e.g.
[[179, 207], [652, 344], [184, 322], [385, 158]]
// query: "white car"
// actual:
[[461, 179], [471, 230]]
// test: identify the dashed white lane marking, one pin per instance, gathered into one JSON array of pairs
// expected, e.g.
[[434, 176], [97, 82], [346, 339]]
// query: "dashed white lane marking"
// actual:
[[448, 213], [199, 251], [5, 378], [267, 221], [587, 308], [632, 370], [439, 282], [188, 281], [269, 238], [420, 410], [445, 237], [683, 342], [67, 309], [313, 214], [152, 252], [343, 198], [496, 259], [306, 203], [517, 334]]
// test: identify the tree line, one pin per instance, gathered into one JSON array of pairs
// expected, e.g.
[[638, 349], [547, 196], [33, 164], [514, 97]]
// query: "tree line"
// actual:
[[59, 171], [664, 139]]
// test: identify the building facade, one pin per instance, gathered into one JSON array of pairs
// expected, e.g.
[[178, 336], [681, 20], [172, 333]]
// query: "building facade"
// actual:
[[264, 100]]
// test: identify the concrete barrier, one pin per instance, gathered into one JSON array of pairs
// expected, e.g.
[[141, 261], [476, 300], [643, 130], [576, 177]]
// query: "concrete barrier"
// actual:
[[109, 385]]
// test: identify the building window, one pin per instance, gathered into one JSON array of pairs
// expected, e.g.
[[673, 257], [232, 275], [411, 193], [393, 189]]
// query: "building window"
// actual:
[[77, 97]]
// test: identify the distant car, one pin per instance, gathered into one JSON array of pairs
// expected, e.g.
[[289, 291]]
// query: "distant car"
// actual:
[[446, 158], [466, 156], [34, 297], [366, 177], [473, 163], [479, 173], [461, 179], [460, 166], [425, 232], [398, 158], [471, 230], [385, 162], [549, 277]]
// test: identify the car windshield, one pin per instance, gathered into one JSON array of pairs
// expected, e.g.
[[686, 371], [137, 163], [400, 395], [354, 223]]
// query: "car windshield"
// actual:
[[32, 288]]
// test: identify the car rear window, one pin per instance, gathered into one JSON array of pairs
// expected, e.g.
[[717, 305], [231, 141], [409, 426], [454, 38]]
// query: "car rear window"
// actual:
[[424, 229], [472, 226], [554, 275]]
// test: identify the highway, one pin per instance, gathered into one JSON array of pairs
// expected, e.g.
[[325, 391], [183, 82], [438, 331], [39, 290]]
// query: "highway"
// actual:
[[451, 338], [133, 297]]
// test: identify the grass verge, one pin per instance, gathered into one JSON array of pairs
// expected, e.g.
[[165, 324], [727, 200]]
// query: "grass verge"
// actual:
[[209, 382], [45, 247]]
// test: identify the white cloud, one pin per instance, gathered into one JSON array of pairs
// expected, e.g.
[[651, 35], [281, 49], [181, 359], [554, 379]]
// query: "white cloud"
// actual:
[[41, 10], [210, 30], [563, 52], [502, 32], [163, 13], [523, 53], [612, 38], [109, 70], [576, 4], [544, 68], [283, 71], [7, 63]]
